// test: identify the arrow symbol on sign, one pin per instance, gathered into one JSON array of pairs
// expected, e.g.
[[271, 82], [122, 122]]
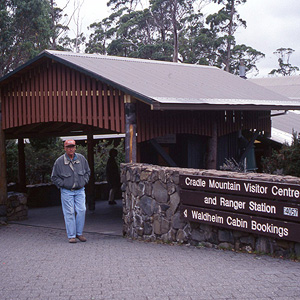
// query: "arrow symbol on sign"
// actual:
[[185, 213]]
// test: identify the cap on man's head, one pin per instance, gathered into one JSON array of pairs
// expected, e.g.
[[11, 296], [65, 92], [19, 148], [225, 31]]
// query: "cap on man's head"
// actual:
[[69, 143]]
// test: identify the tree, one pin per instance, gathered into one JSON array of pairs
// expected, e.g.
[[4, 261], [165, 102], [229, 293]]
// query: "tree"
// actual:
[[149, 33], [98, 39], [225, 23], [25, 30], [60, 27], [104, 31], [174, 30], [11, 160], [129, 33], [223, 26], [207, 46], [199, 44], [285, 68], [119, 4], [169, 15], [27, 27], [78, 41], [57, 28], [6, 38], [74, 45], [41, 154], [246, 54]]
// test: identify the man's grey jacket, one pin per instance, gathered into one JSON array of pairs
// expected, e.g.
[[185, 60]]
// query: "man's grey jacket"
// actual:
[[71, 174]]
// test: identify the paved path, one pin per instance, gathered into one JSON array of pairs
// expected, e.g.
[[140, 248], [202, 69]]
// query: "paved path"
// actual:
[[37, 262], [106, 219]]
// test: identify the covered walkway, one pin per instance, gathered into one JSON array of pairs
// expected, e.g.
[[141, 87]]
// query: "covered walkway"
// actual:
[[186, 115]]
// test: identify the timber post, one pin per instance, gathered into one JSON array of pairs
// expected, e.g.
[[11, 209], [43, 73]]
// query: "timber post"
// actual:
[[3, 182], [212, 147], [91, 184], [130, 130], [22, 166]]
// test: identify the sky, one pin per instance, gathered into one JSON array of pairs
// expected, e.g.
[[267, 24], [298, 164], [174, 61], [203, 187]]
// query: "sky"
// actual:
[[271, 24]]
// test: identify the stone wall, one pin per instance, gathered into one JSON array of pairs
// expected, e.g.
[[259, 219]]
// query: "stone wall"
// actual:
[[16, 206], [151, 211], [42, 195], [47, 194]]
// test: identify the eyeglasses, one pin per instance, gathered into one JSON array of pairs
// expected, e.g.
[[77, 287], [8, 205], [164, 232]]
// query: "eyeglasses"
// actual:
[[71, 146]]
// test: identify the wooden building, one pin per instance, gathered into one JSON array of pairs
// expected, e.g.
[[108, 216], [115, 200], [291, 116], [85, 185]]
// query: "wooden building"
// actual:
[[173, 114]]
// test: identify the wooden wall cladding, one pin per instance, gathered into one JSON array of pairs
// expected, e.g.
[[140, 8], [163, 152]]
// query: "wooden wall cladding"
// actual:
[[151, 124], [52, 92]]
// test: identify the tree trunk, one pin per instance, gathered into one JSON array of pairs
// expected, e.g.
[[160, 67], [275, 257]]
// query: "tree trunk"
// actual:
[[175, 54], [175, 31], [228, 56]]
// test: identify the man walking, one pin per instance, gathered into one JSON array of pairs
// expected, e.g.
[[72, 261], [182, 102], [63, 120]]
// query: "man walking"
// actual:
[[70, 174]]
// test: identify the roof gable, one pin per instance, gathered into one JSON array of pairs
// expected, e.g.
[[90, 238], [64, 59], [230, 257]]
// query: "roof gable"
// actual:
[[167, 85]]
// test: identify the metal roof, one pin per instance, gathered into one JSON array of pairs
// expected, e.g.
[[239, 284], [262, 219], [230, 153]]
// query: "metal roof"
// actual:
[[167, 85], [283, 125], [288, 86]]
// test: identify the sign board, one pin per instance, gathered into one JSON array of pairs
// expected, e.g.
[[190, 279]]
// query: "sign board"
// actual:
[[262, 189], [273, 228], [241, 204], [258, 207]]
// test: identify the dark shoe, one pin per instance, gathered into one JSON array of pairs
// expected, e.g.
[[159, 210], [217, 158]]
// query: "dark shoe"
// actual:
[[72, 240], [81, 238], [112, 202]]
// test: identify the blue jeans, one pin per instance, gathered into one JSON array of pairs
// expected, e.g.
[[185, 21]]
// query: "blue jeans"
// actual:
[[73, 206]]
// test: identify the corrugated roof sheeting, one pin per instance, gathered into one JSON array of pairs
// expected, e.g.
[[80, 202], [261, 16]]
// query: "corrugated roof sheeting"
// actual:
[[280, 136], [174, 83], [288, 86], [283, 125], [167, 85], [287, 123]]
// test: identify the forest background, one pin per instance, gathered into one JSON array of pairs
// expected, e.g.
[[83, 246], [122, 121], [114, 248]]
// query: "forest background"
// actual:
[[168, 30]]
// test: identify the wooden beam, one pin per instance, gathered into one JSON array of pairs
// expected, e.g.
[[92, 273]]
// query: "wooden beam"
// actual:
[[249, 145], [212, 147], [22, 166], [160, 150], [3, 182], [130, 129], [91, 184]]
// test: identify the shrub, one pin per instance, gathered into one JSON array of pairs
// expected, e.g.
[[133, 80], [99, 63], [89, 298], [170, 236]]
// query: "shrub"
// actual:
[[285, 161], [40, 155], [11, 161]]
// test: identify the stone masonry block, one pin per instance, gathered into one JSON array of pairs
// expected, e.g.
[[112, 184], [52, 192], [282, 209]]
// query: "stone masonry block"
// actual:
[[160, 193], [147, 205]]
